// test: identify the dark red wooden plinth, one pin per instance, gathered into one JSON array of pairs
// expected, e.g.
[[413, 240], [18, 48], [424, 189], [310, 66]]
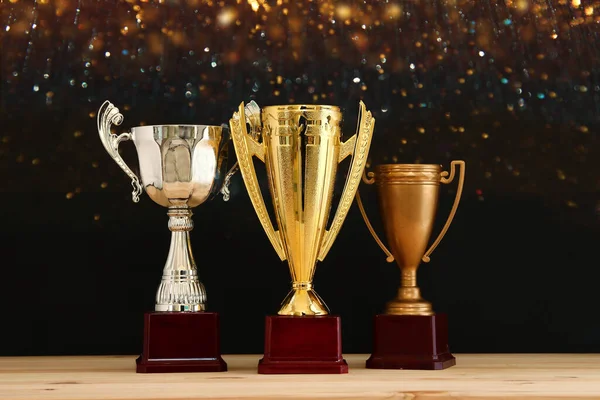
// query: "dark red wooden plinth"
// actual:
[[181, 342], [303, 345], [411, 342]]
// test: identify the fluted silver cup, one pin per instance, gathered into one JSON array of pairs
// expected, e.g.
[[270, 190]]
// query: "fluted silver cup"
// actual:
[[181, 166]]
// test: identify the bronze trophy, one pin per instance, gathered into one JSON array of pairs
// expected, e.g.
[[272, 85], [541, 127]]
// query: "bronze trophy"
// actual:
[[409, 335]]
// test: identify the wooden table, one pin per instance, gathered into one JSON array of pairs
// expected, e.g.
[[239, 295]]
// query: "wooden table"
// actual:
[[499, 376]]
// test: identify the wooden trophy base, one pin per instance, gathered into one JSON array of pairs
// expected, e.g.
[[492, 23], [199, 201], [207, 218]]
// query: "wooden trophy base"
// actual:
[[181, 342], [411, 342], [303, 345]]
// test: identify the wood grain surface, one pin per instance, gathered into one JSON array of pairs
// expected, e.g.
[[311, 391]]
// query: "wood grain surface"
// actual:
[[482, 376]]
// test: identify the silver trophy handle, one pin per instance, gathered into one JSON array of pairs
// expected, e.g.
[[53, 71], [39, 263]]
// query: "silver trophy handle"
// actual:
[[252, 111], [108, 114], [225, 188]]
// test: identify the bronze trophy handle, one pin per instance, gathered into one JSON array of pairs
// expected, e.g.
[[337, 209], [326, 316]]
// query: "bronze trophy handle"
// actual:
[[459, 189], [369, 179]]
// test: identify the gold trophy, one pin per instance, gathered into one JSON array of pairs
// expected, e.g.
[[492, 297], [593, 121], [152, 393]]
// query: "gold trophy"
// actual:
[[410, 335], [301, 147]]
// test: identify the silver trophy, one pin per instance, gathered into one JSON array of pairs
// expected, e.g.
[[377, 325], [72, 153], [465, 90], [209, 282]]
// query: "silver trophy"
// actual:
[[181, 166]]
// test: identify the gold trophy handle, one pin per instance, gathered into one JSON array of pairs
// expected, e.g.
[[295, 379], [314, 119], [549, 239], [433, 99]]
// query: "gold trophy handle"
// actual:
[[247, 146], [357, 146], [461, 181], [108, 114]]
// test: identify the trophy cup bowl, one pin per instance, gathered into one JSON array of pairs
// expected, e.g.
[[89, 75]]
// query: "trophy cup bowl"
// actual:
[[410, 335], [301, 147], [180, 168]]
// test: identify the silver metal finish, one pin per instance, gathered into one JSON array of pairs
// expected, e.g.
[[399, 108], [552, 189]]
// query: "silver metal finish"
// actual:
[[181, 167], [107, 115], [253, 119]]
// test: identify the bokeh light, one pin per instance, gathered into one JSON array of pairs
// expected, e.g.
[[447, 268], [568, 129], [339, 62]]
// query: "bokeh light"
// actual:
[[512, 87]]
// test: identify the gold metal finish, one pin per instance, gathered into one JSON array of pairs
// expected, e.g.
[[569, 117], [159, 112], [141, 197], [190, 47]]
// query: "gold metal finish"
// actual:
[[301, 147], [408, 196], [390, 256]]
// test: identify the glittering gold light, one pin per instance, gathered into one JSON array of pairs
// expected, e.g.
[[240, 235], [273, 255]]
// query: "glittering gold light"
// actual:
[[522, 5], [256, 4], [393, 11], [343, 11], [226, 16]]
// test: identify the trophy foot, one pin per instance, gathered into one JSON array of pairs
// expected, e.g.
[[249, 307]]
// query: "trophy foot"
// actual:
[[303, 300], [179, 307], [409, 302], [180, 291], [409, 307]]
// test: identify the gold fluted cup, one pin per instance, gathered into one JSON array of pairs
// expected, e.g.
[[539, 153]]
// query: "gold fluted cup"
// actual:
[[408, 201], [301, 146]]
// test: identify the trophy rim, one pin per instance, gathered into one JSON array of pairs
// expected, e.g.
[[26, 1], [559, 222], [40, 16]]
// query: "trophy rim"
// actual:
[[407, 174], [176, 126], [408, 167], [302, 107]]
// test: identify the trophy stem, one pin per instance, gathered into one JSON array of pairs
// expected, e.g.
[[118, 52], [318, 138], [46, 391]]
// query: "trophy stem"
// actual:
[[409, 278], [180, 289], [409, 300]]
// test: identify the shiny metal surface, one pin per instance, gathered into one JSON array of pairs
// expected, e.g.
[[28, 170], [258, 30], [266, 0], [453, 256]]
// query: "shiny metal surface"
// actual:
[[408, 198], [181, 166], [301, 147]]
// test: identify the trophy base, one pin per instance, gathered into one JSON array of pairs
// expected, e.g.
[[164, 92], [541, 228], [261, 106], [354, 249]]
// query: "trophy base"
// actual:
[[303, 345], [411, 342], [181, 342]]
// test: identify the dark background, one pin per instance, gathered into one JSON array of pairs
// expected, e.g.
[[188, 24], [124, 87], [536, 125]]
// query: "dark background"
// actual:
[[512, 89]]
